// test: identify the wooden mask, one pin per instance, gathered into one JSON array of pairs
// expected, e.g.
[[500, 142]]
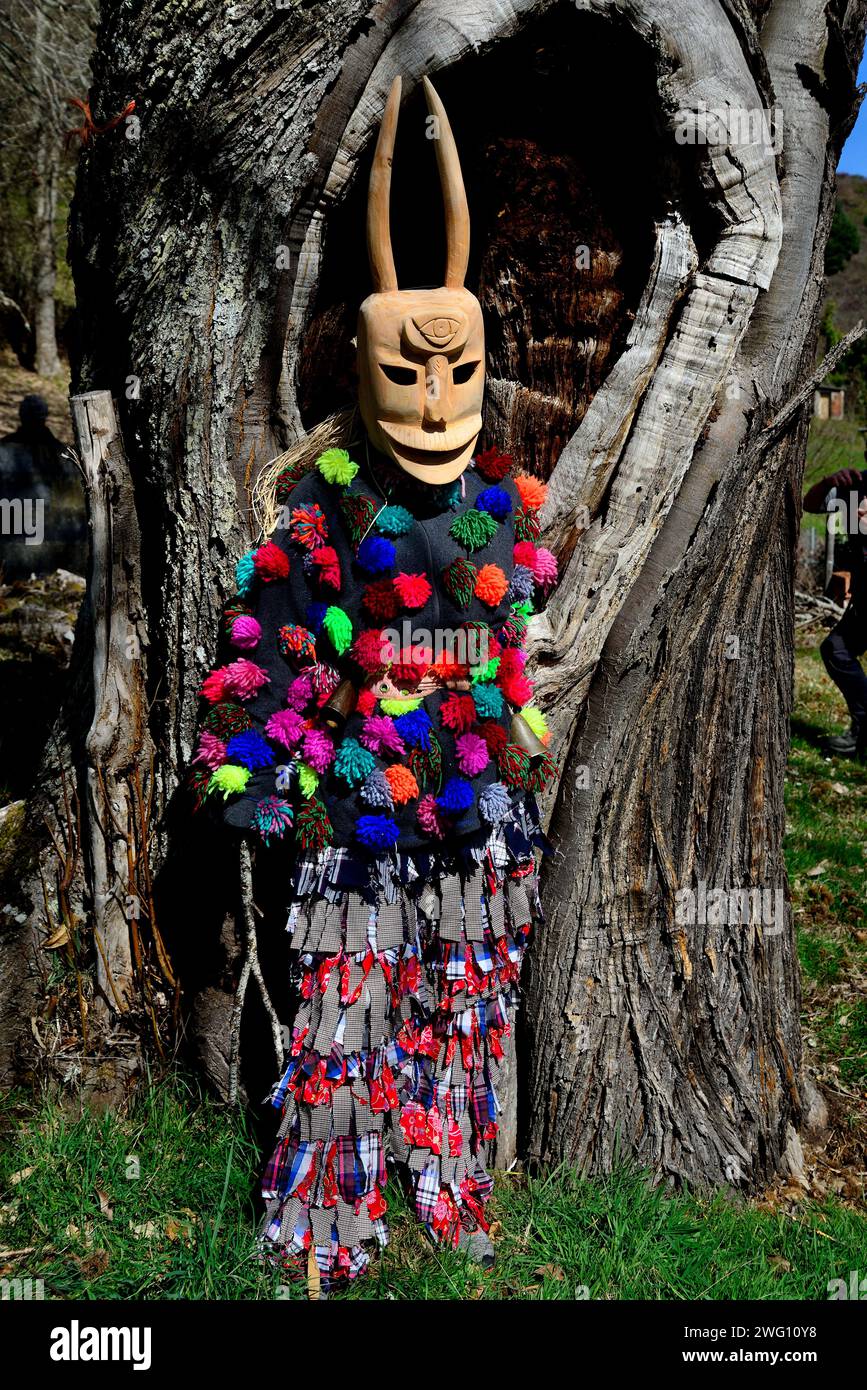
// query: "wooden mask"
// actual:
[[421, 353]]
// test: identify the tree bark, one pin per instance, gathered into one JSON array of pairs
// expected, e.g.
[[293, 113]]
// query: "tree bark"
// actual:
[[638, 379]]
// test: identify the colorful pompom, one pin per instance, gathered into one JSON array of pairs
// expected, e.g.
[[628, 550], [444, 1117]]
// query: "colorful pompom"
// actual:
[[521, 584], [524, 553], [472, 754], [358, 513], [286, 727], [394, 521], [473, 529], [377, 832], [300, 691], [229, 780], [380, 736], [225, 719], [317, 750], [336, 466], [413, 590], [536, 720], [542, 774], [271, 562], [414, 726], [313, 829], [495, 736], [325, 681], [245, 573], [493, 465], [315, 613], [376, 792], [545, 568], [213, 687], [197, 784], [250, 750], [458, 712], [426, 764], [245, 632], [242, 678], [308, 526], [491, 585], [455, 797], [514, 765], [375, 554], [293, 640], [366, 702], [459, 581], [272, 817], [495, 804], [487, 700], [289, 477], [399, 706], [527, 527], [211, 751], [428, 816], [338, 626], [496, 501], [403, 785], [352, 762], [308, 780], [532, 491]]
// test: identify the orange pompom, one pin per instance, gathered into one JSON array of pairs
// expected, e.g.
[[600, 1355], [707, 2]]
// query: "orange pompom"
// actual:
[[491, 585], [532, 491], [401, 782]]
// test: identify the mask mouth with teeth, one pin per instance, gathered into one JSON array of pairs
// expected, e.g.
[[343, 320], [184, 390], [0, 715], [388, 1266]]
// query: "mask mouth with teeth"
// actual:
[[421, 353]]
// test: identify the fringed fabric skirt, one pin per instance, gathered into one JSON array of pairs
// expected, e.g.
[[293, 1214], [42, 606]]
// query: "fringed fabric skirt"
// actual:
[[407, 970]]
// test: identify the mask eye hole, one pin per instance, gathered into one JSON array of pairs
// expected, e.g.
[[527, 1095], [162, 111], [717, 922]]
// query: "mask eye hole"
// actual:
[[462, 374], [401, 376]]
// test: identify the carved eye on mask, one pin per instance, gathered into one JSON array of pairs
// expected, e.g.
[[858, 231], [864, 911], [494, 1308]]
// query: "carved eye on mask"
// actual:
[[464, 372], [438, 331], [401, 376]]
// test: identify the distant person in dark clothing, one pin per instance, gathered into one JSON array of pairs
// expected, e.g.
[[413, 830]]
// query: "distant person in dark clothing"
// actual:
[[43, 525], [845, 492]]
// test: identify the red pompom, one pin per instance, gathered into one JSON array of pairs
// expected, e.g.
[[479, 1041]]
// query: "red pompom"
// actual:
[[270, 562], [525, 554], [458, 712], [381, 600], [325, 557], [494, 734], [493, 465], [368, 650], [366, 702], [413, 589]]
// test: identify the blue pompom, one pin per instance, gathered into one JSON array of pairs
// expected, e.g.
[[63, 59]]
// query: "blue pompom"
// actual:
[[378, 832], [496, 501], [456, 796], [394, 521], [375, 554], [245, 573], [250, 750], [376, 791], [316, 614], [414, 727], [495, 804], [521, 584]]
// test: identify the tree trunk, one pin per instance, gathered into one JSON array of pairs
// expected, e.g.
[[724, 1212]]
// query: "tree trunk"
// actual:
[[651, 304], [46, 173]]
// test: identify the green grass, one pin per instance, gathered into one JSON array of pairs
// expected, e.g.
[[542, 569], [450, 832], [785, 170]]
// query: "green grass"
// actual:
[[159, 1205]]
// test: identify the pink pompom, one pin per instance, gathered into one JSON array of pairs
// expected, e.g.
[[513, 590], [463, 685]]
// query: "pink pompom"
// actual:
[[413, 590], [317, 750], [524, 554], [300, 691], [472, 753], [325, 681], [545, 568], [428, 816], [245, 632], [286, 727], [380, 735], [211, 752], [243, 678]]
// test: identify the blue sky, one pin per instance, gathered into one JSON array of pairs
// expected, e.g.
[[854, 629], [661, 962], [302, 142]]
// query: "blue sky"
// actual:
[[853, 160]]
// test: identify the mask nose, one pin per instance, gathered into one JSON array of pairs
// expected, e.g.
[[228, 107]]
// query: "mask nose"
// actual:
[[436, 391]]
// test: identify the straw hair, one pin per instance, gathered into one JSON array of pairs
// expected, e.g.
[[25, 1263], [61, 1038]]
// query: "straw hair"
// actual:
[[337, 431]]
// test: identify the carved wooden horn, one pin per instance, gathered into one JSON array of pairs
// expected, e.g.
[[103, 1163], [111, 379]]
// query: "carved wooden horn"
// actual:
[[379, 251], [454, 193]]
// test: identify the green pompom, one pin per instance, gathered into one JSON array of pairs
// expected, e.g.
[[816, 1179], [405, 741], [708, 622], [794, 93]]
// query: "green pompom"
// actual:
[[486, 672], [336, 466], [514, 765], [225, 719], [527, 526], [358, 513], [338, 625], [308, 780], [426, 765], [473, 529], [394, 521], [395, 707], [228, 779], [287, 479], [313, 829]]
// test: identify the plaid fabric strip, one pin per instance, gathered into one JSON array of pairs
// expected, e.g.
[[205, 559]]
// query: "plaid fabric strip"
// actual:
[[482, 1101], [457, 964], [287, 1167], [427, 1190]]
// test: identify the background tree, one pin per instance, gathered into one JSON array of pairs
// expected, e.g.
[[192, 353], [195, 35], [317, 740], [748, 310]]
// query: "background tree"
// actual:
[[651, 285]]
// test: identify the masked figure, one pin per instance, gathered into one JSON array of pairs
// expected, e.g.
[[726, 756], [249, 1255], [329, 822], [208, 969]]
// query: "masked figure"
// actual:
[[373, 711]]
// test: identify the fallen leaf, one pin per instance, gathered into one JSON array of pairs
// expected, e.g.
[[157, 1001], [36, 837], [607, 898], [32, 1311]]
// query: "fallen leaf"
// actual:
[[105, 1205], [147, 1230], [818, 869], [552, 1271], [58, 938], [21, 1175], [779, 1263], [93, 1265]]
